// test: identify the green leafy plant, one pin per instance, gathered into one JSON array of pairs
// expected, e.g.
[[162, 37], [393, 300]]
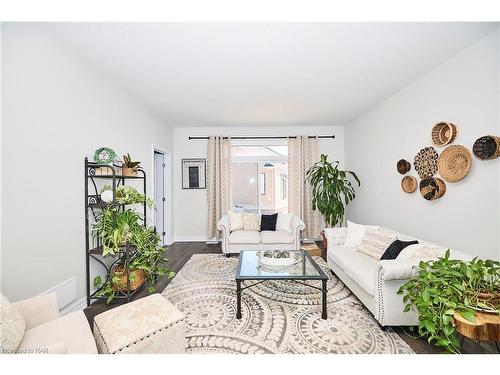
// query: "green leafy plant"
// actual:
[[332, 190], [118, 230], [127, 194], [447, 286], [128, 163]]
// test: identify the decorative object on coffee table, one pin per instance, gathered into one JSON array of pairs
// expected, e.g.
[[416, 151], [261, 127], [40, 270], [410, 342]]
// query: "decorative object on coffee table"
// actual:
[[486, 327], [403, 166], [443, 133], [425, 162], [454, 163], [432, 188], [409, 184], [487, 147]]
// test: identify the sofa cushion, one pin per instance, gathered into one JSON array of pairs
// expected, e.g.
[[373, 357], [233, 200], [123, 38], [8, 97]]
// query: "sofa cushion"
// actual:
[[12, 326], [355, 233], [235, 220], [395, 248], [284, 222], [359, 267], [375, 242], [423, 252], [268, 222], [70, 333], [279, 236], [244, 236], [251, 221]]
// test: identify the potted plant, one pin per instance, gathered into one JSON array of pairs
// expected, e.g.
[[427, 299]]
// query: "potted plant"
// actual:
[[121, 230], [447, 286], [129, 167], [332, 190]]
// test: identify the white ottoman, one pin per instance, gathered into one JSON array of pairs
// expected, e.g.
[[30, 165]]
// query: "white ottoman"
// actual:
[[149, 325]]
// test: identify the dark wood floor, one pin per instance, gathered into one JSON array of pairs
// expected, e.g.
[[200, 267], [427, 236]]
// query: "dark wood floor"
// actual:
[[180, 252]]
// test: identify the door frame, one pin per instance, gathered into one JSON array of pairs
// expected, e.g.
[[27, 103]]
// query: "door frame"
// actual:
[[167, 186]]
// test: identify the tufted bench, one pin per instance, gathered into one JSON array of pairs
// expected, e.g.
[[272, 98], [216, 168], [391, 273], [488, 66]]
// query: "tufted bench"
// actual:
[[149, 325]]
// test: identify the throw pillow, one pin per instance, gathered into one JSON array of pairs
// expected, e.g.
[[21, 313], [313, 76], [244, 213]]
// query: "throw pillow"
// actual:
[[268, 222], [395, 248], [12, 327], [421, 252], [235, 220], [355, 233], [251, 221], [375, 242], [284, 222]]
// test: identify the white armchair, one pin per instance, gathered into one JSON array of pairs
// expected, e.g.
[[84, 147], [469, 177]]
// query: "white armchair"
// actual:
[[238, 240], [47, 332]]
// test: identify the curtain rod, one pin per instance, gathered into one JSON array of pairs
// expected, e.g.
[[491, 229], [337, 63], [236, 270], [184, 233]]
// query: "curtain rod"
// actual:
[[270, 137]]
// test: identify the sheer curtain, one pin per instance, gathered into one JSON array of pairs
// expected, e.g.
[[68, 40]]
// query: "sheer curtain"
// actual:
[[302, 154], [218, 181]]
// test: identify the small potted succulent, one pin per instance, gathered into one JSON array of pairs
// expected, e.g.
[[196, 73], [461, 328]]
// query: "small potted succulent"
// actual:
[[129, 167]]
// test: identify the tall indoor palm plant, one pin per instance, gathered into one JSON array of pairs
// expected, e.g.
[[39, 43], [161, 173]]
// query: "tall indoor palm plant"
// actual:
[[332, 190]]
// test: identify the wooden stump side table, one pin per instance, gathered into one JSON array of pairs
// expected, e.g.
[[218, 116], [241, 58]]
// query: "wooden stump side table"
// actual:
[[485, 328]]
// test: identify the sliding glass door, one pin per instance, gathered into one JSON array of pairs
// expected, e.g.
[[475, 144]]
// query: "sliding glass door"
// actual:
[[259, 178]]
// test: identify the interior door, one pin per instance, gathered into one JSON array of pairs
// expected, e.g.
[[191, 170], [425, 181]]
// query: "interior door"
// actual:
[[159, 198]]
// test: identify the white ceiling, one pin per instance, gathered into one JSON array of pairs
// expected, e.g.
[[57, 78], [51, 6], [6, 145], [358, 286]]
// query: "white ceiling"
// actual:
[[195, 74]]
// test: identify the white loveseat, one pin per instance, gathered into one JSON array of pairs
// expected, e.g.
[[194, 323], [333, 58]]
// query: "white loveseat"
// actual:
[[376, 282], [238, 240]]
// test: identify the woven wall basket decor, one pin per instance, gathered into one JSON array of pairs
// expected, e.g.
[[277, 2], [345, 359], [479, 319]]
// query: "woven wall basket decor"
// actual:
[[487, 147], [454, 163], [403, 166], [443, 133], [425, 162], [432, 188], [409, 184]]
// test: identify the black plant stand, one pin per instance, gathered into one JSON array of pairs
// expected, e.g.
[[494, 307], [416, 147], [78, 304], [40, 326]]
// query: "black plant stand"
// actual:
[[93, 204]]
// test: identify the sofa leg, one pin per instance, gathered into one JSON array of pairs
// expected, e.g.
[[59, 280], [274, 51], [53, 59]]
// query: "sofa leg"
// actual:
[[383, 328], [228, 255]]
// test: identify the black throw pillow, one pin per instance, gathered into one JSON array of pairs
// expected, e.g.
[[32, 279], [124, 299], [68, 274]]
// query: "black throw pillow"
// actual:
[[268, 222], [395, 248]]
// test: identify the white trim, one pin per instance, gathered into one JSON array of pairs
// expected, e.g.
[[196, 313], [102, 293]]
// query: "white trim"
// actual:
[[167, 159], [79, 304], [191, 239]]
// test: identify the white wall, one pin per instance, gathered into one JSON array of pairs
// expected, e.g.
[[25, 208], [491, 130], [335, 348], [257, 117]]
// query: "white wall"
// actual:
[[190, 206], [55, 111], [465, 91]]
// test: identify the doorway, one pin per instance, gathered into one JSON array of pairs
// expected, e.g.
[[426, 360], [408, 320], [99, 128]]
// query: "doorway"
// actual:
[[161, 194]]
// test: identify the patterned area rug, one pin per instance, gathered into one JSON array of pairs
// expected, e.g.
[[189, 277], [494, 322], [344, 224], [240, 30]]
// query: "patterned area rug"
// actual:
[[277, 316]]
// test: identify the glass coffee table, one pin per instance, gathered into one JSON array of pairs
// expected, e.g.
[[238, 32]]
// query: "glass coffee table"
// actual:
[[304, 269]]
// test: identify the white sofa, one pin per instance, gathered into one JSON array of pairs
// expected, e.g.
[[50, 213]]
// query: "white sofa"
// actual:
[[236, 241], [374, 282]]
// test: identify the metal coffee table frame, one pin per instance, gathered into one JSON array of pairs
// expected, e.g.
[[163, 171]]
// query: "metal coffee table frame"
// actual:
[[296, 278]]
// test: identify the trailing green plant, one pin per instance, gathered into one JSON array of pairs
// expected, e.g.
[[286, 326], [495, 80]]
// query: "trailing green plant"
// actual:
[[447, 286], [332, 190], [126, 194], [128, 163], [116, 230]]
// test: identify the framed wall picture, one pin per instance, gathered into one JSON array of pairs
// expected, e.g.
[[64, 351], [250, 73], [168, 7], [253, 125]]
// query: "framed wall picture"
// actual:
[[194, 174]]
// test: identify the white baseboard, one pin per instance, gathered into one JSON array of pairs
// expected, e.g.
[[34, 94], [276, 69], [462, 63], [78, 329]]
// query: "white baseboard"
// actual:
[[79, 304], [191, 239]]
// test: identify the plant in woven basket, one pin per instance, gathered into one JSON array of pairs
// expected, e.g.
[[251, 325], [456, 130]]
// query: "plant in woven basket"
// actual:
[[447, 286], [118, 230], [332, 190]]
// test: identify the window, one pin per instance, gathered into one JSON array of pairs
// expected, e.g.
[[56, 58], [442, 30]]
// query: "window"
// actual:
[[259, 177], [284, 186]]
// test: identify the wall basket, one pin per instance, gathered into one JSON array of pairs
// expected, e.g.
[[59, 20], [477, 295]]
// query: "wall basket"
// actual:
[[409, 184], [425, 162], [443, 133], [432, 188], [454, 163], [403, 166], [487, 147]]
